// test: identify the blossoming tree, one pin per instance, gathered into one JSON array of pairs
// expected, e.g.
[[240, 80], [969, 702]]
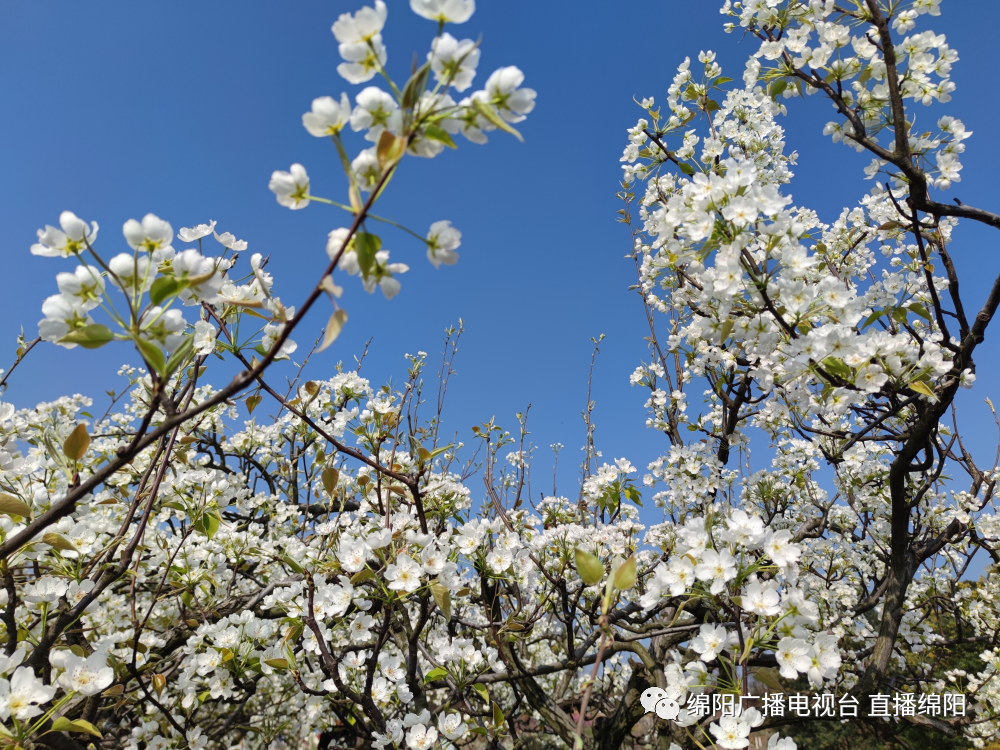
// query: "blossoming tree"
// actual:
[[185, 572]]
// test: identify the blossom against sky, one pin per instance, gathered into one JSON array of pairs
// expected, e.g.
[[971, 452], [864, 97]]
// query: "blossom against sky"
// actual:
[[113, 130]]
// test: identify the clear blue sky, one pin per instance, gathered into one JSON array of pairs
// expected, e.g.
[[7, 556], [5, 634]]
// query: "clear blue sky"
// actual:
[[183, 109]]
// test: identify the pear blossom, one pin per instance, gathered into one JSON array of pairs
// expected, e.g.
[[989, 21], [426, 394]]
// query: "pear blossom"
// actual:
[[376, 110], [71, 239], [152, 235], [328, 116], [502, 92], [442, 240], [192, 234], [21, 697], [453, 62], [291, 188], [403, 574], [421, 738], [204, 337], [86, 675], [228, 240], [444, 11]]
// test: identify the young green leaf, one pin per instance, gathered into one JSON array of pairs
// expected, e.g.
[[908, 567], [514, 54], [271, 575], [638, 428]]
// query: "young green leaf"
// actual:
[[366, 246], [589, 567], [58, 541], [390, 149], [494, 118], [93, 336], [14, 507], [178, 356], [152, 354], [62, 724], [365, 574], [334, 325], [443, 598], [164, 288], [435, 674], [439, 134], [837, 367], [330, 477], [76, 443], [414, 87], [727, 328], [625, 575], [252, 402]]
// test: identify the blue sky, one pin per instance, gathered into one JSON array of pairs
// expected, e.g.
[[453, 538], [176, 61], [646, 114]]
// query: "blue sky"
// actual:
[[116, 109]]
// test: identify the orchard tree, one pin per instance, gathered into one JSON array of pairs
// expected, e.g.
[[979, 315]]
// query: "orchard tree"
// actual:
[[201, 568]]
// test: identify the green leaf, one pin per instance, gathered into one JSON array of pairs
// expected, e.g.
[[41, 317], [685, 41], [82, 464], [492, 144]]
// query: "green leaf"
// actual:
[[366, 246], [438, 451], [435, 674], [589, 567], [414, 87], [291, 564], [483, 693], [922, 388], [152, 354], [59, 542], [443, 598], [93, 336], [876, 314], [76, 443], [727, 328], [252, 402], [625, 575], [686, 169], [478, 730], [899, 315], [178, 356], [920, 310], [634, 495], [209, 524], [495, 119], [720, 80], [14, 507], [390, 149], [62, 724], [337, 320], [889, 225], [778, 87], [365, 574], [769, 677], [497, 715], [212, 524], [330, 477], [837, 367], [439, 134], [164, 288], [277, 663]]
